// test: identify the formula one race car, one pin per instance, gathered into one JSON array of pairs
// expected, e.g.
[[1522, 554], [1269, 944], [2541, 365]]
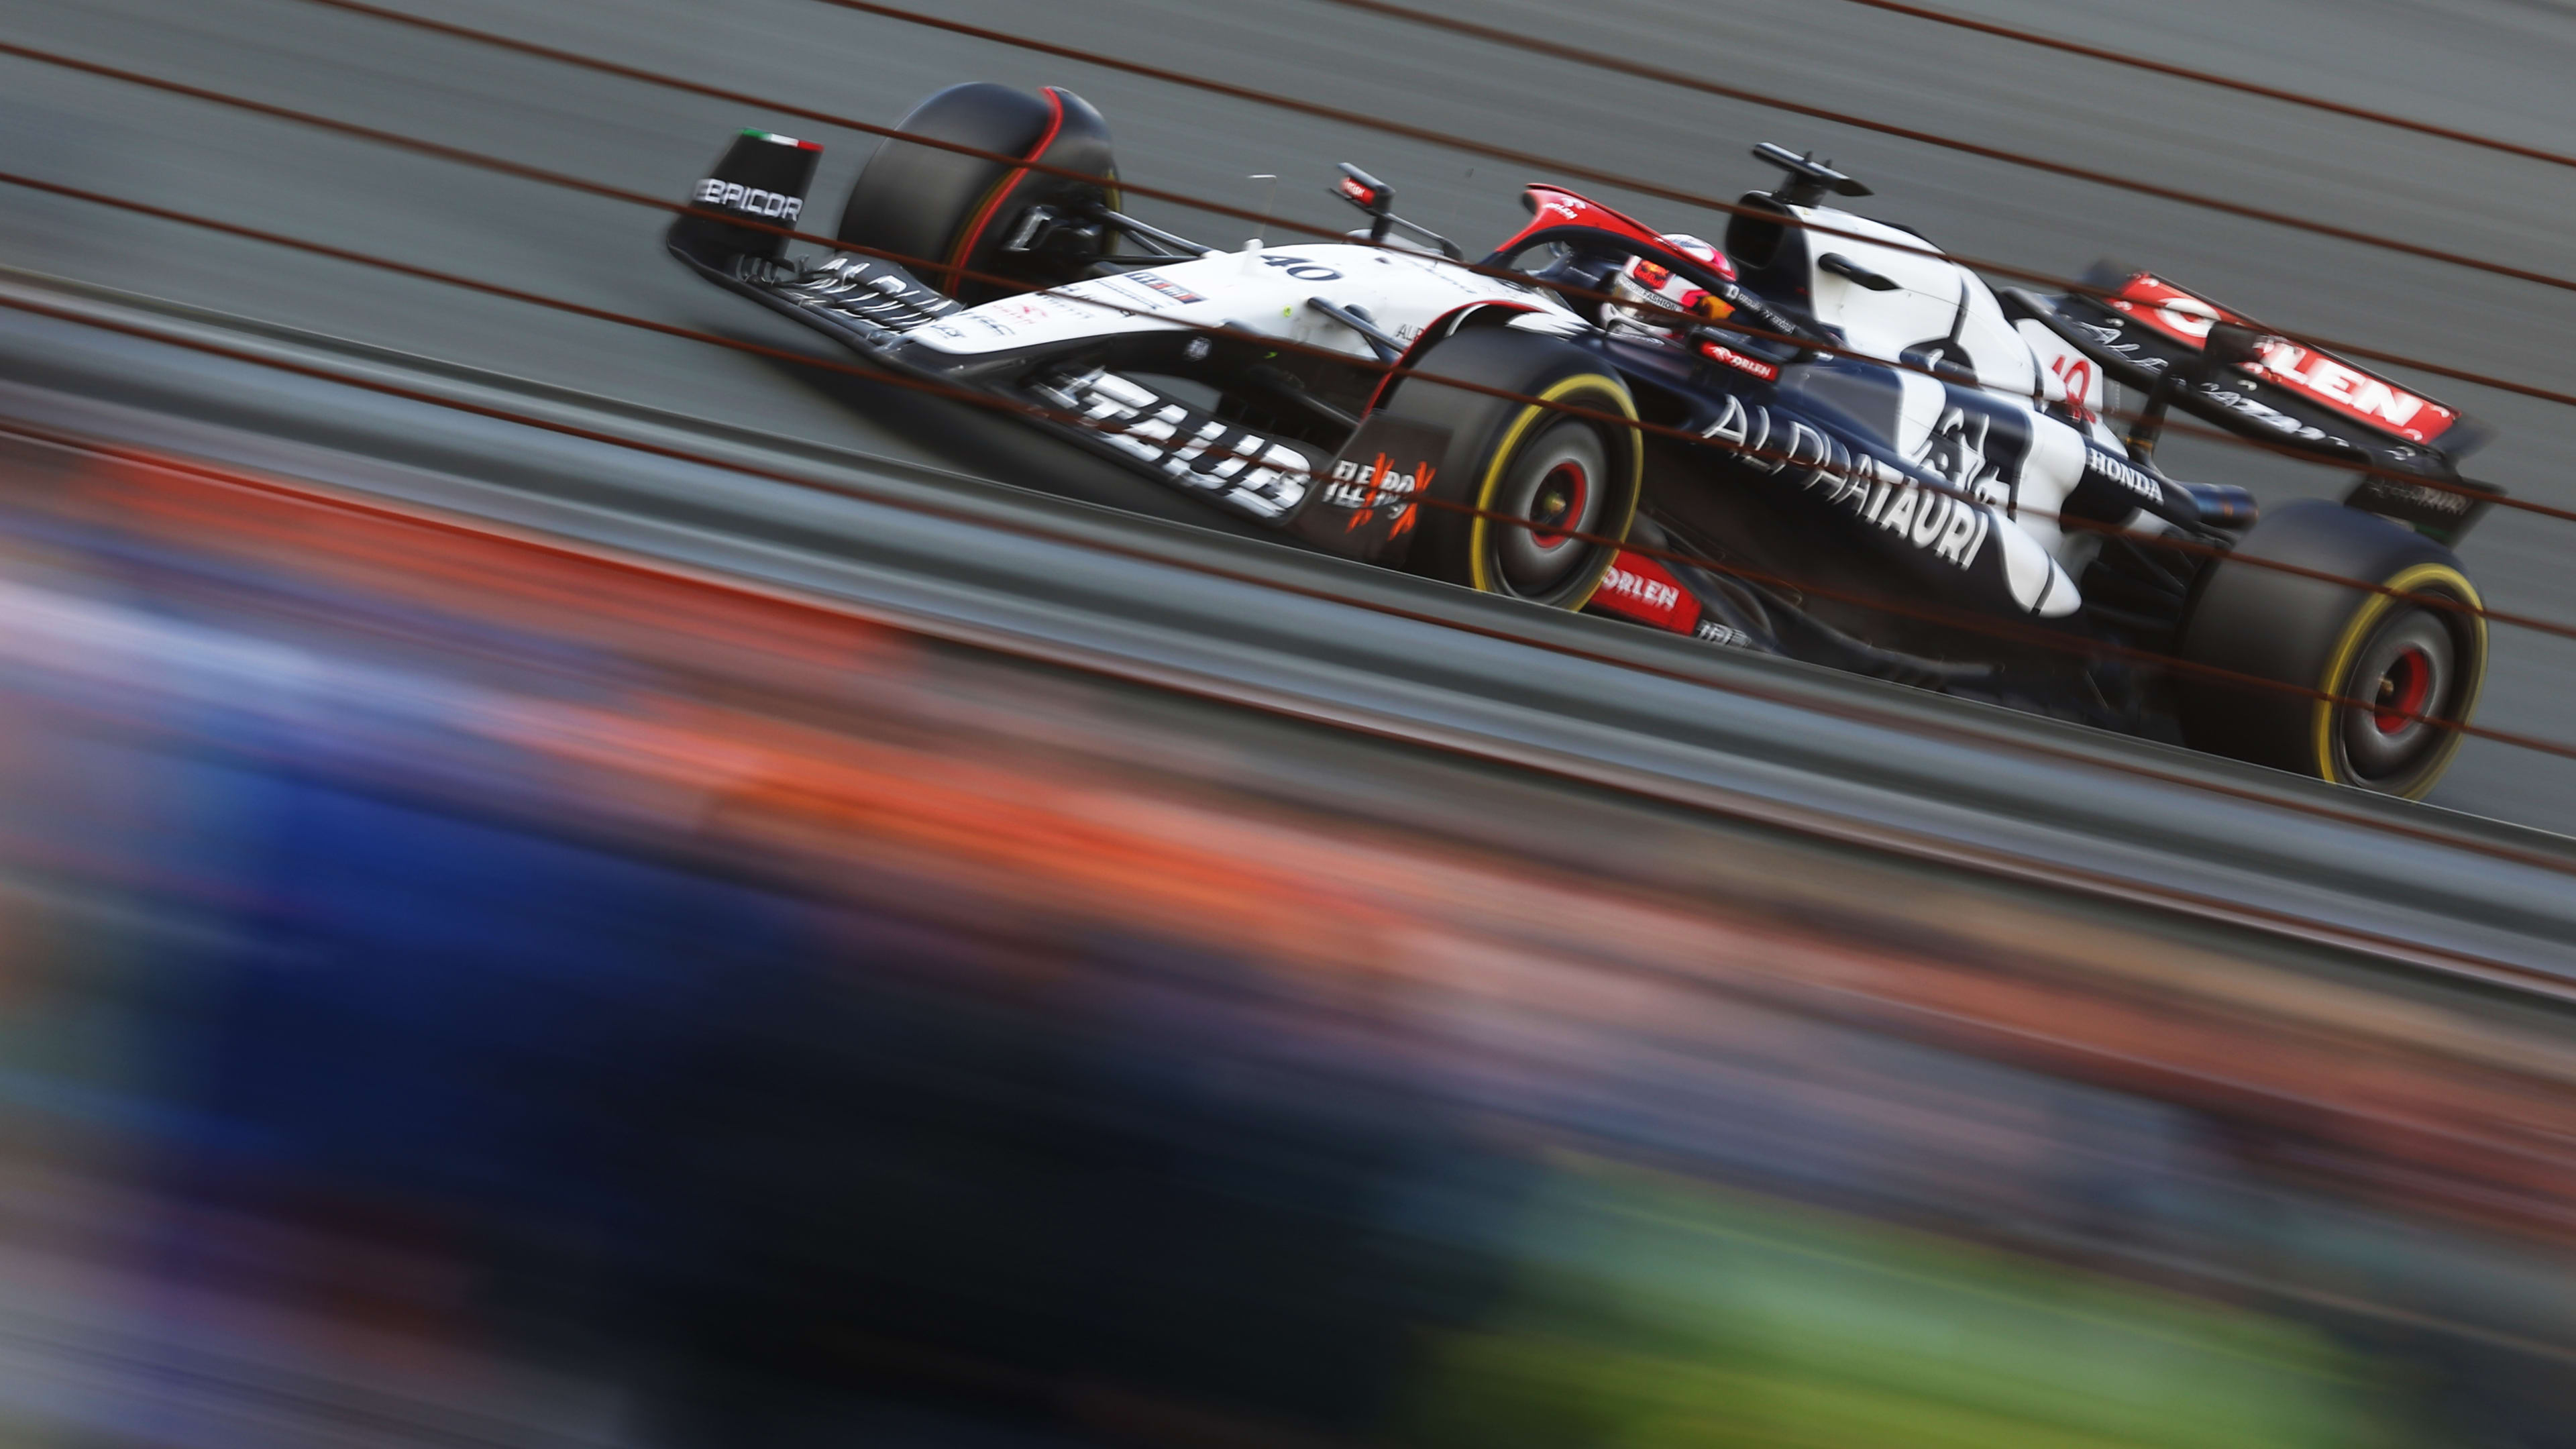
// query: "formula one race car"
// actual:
[[1825, 440]]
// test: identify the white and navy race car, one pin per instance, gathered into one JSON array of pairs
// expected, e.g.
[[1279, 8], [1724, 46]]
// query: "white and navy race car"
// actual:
[[1824, 440]]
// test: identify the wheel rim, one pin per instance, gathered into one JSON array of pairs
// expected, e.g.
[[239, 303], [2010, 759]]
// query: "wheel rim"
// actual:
[[1555, 483], [2405, 685], [1563, 495], [2402, 690]]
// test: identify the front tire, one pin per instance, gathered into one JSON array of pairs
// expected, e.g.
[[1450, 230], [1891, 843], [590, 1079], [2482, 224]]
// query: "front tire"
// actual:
[[2401, 670], [945, 214], [1530, 500]]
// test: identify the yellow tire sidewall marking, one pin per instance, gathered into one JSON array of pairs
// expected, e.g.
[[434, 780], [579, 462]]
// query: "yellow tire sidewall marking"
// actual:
[[1486, 487], [2358, 628]]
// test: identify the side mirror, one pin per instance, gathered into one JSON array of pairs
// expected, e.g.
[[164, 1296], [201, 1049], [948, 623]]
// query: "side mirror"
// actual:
[[1369, 194], [1377, 198]]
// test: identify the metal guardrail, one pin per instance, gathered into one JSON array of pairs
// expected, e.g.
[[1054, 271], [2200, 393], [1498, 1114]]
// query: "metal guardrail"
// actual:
[[1952, 784]]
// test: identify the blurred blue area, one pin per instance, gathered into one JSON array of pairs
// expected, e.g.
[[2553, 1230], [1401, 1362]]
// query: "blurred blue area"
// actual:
[[489, 999]]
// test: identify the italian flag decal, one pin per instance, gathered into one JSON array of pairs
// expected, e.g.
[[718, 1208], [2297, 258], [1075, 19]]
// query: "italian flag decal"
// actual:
[[776, 139]]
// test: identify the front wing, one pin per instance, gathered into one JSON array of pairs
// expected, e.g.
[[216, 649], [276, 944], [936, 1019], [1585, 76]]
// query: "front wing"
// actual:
[[1356, 501]]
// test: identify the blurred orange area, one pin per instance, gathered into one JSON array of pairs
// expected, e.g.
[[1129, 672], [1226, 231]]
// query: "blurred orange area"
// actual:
[[452, 968], [337, 539]]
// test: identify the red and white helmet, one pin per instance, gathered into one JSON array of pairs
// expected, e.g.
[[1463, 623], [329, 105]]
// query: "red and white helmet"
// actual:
[[1647, 289]]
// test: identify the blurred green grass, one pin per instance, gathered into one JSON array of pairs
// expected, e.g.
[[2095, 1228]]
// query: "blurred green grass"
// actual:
[[1650, 1314]]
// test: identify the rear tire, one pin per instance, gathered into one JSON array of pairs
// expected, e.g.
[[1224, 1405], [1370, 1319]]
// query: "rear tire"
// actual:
[[1507, 460], [2393, 657], [944, 214]]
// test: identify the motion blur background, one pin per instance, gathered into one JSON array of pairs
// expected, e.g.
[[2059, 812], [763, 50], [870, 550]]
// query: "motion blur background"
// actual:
[[463, 986]]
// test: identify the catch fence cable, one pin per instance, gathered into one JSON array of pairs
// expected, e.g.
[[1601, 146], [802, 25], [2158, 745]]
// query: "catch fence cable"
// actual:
[[2212, 78], [2354, 817], [2498, 1148], [1219, 208], [2048, 638], [829, 118], [1772, 456], [501, 165], [2035, 635], [1504, 153], [1951, 852], [516, 169]]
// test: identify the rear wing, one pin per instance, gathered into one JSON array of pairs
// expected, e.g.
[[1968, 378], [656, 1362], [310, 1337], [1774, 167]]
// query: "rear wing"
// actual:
[[2153, 336]]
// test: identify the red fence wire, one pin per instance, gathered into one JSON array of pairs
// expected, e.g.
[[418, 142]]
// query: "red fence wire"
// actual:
[[531, 173], [2373, 115], [988, 401], [507, 167], [1215, 207], [504, 166], [2020, 633], [1566, 167], [1746, 688]]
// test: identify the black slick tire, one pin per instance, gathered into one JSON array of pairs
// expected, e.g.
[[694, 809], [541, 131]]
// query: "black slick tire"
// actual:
[[1530, 499], [946, 214], [2375, 683]]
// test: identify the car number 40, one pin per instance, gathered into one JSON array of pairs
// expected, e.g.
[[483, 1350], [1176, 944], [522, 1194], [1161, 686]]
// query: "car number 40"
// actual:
[[1302, 269]]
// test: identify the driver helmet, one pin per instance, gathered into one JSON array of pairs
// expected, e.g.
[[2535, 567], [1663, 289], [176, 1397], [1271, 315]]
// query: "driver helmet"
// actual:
[[1644, 293]]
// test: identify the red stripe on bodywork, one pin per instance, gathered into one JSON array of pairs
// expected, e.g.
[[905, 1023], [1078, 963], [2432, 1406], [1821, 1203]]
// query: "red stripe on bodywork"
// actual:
[[984, 218]]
